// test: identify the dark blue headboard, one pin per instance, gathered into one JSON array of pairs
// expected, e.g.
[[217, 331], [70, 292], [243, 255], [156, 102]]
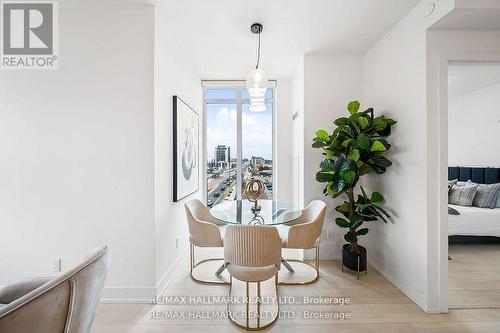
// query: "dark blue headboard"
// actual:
[[476, 174]]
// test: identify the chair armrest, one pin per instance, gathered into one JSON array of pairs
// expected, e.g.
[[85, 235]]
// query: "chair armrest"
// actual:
[[206, 234], [303, 235], [18, 289]]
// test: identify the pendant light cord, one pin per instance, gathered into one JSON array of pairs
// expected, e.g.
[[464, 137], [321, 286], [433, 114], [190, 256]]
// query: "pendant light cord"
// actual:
[[258, 54]]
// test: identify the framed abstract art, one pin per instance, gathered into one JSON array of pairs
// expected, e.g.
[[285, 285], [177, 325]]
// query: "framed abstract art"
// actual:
[[186, 150]]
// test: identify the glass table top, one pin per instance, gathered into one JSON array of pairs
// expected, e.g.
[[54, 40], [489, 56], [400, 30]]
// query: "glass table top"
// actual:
[[240, 212]]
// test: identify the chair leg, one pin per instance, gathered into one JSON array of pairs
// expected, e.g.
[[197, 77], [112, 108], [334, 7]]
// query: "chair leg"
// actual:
[[342, 262], [193, 264], [314, 265], [258, 304], [317, 258], [191, 257], [246, 325], [358, 267], [248, 308]]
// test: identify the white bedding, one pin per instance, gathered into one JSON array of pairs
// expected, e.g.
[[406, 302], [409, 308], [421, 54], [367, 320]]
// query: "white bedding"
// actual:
[[474, 221]]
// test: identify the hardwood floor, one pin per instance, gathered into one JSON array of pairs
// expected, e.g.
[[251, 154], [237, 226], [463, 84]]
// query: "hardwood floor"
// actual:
[[375, 306], [474, 276]]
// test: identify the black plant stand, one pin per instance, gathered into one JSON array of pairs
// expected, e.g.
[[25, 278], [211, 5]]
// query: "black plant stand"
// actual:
[[358, 266]]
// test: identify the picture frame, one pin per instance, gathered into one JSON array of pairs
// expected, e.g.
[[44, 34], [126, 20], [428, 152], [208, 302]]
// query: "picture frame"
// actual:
[[186, 148]]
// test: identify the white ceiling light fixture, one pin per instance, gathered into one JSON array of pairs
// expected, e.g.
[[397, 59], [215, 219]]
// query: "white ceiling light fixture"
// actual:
[[257, 81]]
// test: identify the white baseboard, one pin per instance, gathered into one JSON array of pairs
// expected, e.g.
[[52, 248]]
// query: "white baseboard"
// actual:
[[415, 294], [168, 276], [143, 295], [119, 294]]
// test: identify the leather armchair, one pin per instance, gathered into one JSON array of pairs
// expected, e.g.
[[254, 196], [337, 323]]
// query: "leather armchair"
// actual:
[[62, 304]]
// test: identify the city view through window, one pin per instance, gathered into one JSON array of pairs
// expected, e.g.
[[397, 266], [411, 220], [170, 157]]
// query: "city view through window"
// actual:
[[254, 136]]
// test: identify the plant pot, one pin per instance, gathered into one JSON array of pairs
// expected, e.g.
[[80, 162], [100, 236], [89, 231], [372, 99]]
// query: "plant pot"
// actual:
[[350, 259]]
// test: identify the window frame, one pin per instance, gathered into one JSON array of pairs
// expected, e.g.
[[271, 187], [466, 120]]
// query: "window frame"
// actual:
[[239, 101]]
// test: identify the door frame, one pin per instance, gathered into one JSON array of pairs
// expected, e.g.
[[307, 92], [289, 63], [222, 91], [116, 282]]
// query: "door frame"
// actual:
[[445, 59]]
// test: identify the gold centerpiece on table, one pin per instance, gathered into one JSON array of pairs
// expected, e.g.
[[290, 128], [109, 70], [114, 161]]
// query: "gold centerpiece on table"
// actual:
[[255, 190]]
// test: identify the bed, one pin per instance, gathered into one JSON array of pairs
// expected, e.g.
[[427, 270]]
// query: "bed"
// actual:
[[474, 221]]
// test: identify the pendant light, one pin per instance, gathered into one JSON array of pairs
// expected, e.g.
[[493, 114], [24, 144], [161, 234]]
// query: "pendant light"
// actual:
[[257, 81]]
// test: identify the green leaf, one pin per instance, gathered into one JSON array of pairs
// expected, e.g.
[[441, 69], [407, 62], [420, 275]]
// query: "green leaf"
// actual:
[[329, 153], [327, 164], [379, 123], [376, 197], [340, 121], [346, 143], [329, 189], [351, 237], [356, 221], [361, 232], [363, 192], [377, 146], [349, 176], [342, 164], [365, 169], [324, 176], [342, 222], [353, 107], [341, 186], [344, 208], [363, 141], [322, 134], [354, 155], [381, 161], [390, 121], [381, 210], [318, 144], [336, 194], [363, 122]]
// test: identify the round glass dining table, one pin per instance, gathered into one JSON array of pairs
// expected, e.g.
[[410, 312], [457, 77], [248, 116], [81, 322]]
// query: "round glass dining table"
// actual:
[[272, 213], [240, 212]]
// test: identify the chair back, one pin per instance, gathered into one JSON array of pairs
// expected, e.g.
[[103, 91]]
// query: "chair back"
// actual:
[[198, 210], [315, 212], [305, 232], [65, 304], [252, 246], [202, 227]]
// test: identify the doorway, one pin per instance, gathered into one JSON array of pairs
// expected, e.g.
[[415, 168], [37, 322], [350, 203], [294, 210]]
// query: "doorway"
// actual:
[[473, 185]]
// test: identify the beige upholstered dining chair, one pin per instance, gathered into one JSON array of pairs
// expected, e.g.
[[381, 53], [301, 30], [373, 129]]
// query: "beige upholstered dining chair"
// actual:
[[252, 254], [305, 233], [62, 304], [204, 231]]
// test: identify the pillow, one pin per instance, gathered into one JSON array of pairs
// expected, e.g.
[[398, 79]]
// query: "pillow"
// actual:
[[486, 195], [462, 195], [451, 183], [461, 183]]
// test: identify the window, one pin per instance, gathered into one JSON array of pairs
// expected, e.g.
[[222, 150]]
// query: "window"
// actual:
[[239, 143]]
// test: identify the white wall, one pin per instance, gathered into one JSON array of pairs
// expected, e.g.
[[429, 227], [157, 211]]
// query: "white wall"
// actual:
[[395, 84], [76, 152], [173, 76], [331, 81], [297, 138], [474, 127], [283, 140]]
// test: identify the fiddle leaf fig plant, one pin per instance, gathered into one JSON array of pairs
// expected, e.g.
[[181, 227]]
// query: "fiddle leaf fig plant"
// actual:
[[355, 148]]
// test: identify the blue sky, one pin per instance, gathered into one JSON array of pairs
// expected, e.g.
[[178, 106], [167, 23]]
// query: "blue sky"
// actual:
[[256, 131]]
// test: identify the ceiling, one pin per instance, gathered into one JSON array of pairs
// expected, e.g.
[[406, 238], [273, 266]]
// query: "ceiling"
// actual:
[[465, 78], [214, 36], [470, 19]]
